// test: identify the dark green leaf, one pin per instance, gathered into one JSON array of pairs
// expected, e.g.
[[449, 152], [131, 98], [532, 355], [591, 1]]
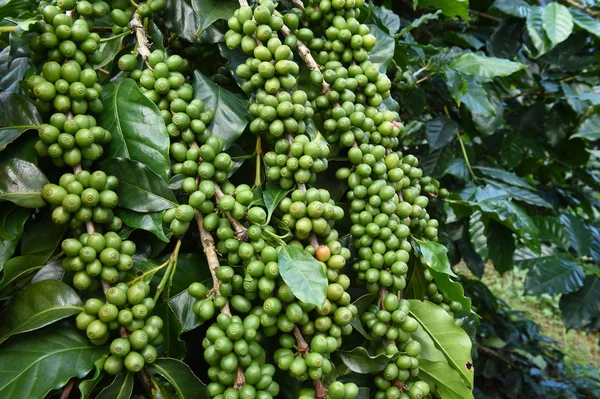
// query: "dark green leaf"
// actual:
[[418, 22], [19, 267], [272, 196], [11, 73], [558, 124], [181, 377], [526, 257], [582, 307], [512, 150], [138, 130], [448, 338], [34, 364], [21, 182], [383, 52], [12, 222], [140, 189], [450, 8], [304, 274], [509, 214], [230, 109], [488, 67], [514, 8], [362, 304], [501, 247], [87, 386], [471, 257], [457, 86], [521, 194], [557, 22], [552, 230], [580, 234], [37, 306], [487, 126], [440, 132], [109, 49], [7, 249], [360, 361], [536, 31], [463, 40], [172, 346], [42, 238], [477, 101], [51, 271], [589, 129], [151, 222], [585, 21], [181, 19], [552, 276], [209, 11], [181, 305], [417, 285], [389, 19], [477, 232], [457, 167], [506, 39], [120, 388], [17, 115]]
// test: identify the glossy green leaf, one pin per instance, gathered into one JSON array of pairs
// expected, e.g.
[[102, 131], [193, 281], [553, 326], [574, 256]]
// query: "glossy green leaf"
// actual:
[[453, 289], [501, 246], [304, 274], [120, 388], [457, 86], [471, 258], [477, 100], [109, 49], [181, 377], [34, 364], [87, 386], [579, 233], [37, 306], [12, 221], [140, 189], [552, 230], [418, 22], [17, 268], [521, 194], [17, 115], [138, 130], [557, 22], [272, 196], [514, 8], [230, 108], [362, 304], [589, 129], [181, 305], [582, 307], [450, 8], [417, 285], [464, 40], [11, 73], [448, 338], [209, 11], [360, 361], [440, 132], [457, 167], [507, 38], [509, 214], [527, 258], [555, 275], [488, 67], [172, 345], [389, 19], [150, 222], [42, 238], [21, 182], [585, 21], [536, 31], [434, 255], [383, 52], [181, 19]]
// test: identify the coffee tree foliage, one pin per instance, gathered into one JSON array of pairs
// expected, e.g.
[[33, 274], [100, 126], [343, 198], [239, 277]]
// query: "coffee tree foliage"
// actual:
[[231, 200]]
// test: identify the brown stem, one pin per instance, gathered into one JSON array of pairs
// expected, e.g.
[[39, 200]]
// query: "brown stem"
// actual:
[[140, 35], [399, 384], [320, 390], [208, 245], [484, 15], [300, 341], [67, 389], [241, 233], [313, 240], [583, 8], [240, 379]]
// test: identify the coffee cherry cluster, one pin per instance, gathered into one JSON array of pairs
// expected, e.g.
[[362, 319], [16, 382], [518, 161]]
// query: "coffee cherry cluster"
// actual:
[[337, 390], [297, 162], [106, 256], [309, 211], [84, 197], [122, 12], [72, 141], [126, 309], [439, 297], [247, 26]]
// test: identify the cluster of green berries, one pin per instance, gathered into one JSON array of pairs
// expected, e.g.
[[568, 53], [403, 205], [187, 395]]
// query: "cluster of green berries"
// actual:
[[208, 161], [439, 297], [234, 342], [72, 141], [122, 12], [106, 256], [310, 211], [84, 197], [297, 162], [336, 390], [126, 309], [321, 13], [246, 26]]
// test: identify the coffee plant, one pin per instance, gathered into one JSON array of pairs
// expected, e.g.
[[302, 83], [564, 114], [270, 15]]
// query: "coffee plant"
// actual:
[[226, 200]]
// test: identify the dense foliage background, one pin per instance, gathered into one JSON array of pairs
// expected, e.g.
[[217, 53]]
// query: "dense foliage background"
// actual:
[[500, 102]]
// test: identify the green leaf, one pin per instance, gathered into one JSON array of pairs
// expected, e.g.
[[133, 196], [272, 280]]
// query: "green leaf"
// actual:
[[514, 8], [457, 86], [509, 214], [552, 230], [536, 31], [140, 189], [476, 99], [383, 52], [527, 258], [109, 49], [557, 22], [181, 19], [434, 255], [477, 232], [440, 132], [418, 22], [21, 182], [585, 21], [209, 11], [17, 115], [34, 364], [272, 196], [42, 237], [521, 194], [362, 304], [181, 305], [37, 306], [450, 8], [556, 275], [138, 130], [151, 222], [582, 307], [504, 176], [507, 38], [589, 129], [87, 386], [389, 19], [120, 388], [579, 233], [451, 340], [11, 73], [304, 274], [360, 361], [19, 267], [417, 285], [12, 222], [172, 346], [453, 289], [458, 168], [230, 109], [183, 380], [488, 67], [464, 40]]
